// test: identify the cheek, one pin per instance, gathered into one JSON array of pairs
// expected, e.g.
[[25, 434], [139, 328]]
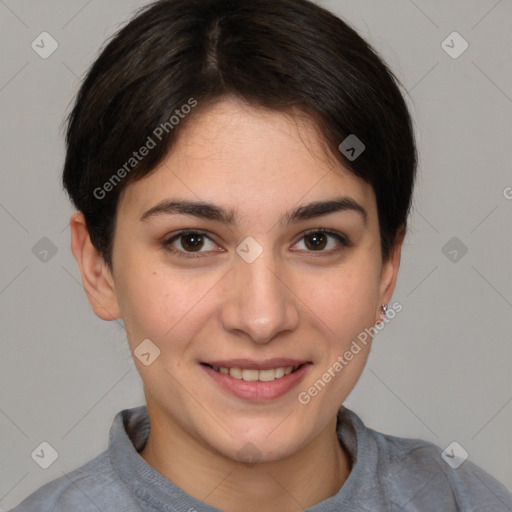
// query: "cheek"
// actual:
[[159, 304], [345, 297]]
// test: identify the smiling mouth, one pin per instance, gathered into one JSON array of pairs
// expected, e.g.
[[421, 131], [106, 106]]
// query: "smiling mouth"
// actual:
[[253, 375]]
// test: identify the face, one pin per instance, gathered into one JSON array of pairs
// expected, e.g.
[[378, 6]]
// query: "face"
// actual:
[[281, 269]]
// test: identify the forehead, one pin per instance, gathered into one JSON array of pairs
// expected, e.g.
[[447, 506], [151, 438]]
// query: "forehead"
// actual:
[[248, 158]]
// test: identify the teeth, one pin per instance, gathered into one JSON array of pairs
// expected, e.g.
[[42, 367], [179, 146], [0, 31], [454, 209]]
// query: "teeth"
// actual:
[[251, 375], [236, 373], [266, 375]]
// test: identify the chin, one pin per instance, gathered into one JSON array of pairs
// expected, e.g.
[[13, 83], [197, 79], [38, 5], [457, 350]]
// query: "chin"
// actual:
[[269, 441]]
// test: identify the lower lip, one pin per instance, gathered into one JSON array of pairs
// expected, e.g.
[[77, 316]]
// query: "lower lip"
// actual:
[[258, 391]]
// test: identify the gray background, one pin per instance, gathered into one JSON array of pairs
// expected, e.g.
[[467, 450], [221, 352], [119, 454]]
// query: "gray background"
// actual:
[[439, 371]]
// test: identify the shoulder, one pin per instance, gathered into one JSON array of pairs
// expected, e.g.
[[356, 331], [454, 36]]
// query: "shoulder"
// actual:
[[422, 473], [89, 488], [414, 474]]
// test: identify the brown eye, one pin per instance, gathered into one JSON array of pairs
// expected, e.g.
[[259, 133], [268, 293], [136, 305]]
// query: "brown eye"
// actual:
[[316, 241], [192, 242], [323, 241]]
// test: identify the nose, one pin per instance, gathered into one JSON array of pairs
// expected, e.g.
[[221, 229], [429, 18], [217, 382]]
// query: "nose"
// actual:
[[260, 303]]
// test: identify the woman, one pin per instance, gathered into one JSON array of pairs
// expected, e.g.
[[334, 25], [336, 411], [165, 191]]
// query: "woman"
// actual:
[[243, 173]]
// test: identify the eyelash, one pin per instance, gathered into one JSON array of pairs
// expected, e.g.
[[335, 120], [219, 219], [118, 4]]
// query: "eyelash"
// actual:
[[340, 238]]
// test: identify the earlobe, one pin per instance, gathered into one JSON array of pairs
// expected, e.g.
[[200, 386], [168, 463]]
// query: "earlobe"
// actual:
[[97, 279]]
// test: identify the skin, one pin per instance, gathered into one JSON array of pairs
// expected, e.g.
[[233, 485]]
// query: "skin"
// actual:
[[292, 301]]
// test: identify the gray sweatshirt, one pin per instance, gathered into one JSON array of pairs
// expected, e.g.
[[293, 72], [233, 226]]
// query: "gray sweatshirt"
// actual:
[[388, 474]]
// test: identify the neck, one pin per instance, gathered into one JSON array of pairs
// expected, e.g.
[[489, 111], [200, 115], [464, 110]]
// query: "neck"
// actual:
[[309, 476]]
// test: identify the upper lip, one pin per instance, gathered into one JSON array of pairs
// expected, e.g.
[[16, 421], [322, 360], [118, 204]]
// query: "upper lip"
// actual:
[[251, 364]]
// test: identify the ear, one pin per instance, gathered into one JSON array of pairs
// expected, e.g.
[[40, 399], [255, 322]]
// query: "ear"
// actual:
[[389, 272], [97, 279]]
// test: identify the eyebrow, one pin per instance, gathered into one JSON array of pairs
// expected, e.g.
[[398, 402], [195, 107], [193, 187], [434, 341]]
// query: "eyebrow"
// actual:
[[210, 211]]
